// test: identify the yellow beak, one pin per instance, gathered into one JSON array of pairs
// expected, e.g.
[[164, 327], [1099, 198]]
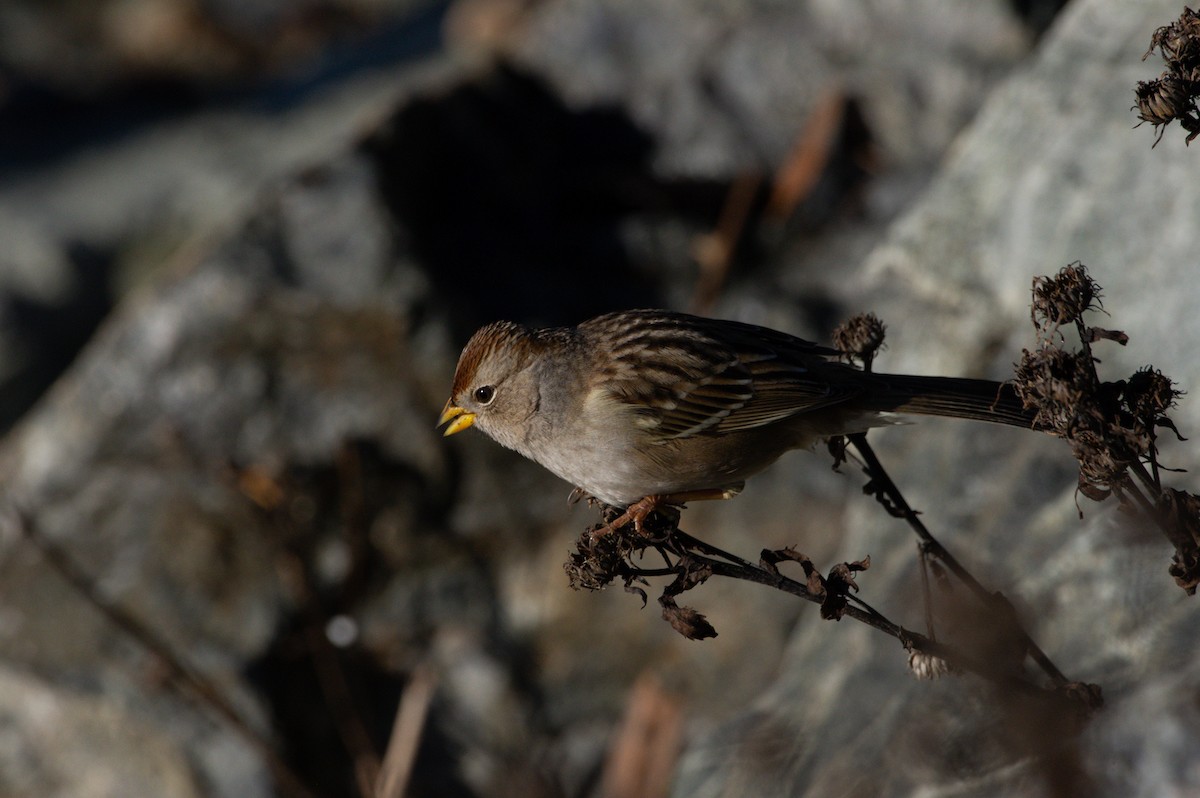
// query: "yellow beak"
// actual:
[[456, 417]]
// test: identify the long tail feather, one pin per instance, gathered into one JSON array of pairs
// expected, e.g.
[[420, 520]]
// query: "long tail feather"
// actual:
[[953, 397]]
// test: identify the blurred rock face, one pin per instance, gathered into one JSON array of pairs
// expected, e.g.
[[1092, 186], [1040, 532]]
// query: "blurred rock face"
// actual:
[[242, 465]]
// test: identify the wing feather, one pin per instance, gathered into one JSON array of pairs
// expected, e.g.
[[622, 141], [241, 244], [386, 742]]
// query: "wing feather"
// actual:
[[683, 380]]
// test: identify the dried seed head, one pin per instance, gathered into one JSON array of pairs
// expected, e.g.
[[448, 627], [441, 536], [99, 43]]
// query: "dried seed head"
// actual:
[[1110, 425], [600, 558], [1148, 394], [1104, 456], [1058, 385], [685, 620], [1179, 42], [1185, 571], [927, 667], [1172, 96], [860, 337], [1064, 298], [1162, 100]]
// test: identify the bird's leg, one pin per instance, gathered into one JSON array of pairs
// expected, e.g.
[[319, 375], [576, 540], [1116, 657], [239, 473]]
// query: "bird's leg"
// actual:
[[641, 509], [637, 513]]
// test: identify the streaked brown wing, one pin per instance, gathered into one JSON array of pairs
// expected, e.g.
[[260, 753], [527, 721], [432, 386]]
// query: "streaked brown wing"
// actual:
[[688, 376], [782, 390]]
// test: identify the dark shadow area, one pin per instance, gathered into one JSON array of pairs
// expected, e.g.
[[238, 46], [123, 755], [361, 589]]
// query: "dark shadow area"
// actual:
[[514, 201], [1038, 15], [51, 335], [332, 705]]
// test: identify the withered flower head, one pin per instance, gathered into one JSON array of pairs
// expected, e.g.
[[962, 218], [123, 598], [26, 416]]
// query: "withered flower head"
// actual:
[[1149, 393], [1172, 96], [1161, 100], [1059, 385], [1064, 298], [860, 337]]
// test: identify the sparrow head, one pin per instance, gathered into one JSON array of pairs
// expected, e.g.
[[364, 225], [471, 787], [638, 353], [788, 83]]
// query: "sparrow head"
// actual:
[[491, 382]]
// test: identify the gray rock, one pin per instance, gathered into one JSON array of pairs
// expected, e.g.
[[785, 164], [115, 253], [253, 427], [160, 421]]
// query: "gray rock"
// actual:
[[248, 442], [726, 87], [1050, 172], [248, 360]]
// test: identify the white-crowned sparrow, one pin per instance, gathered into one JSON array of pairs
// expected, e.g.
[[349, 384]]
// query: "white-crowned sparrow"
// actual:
[[649, 406]]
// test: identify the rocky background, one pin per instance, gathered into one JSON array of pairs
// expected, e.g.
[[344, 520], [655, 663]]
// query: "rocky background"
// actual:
[[243, 243]]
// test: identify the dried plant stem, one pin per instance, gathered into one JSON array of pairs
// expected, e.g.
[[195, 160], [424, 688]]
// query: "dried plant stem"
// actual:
[[926, 593], [714, 252], [721, 563], [332, 680], [188, 682], [407, 728], [1142, 500], [931, 546]]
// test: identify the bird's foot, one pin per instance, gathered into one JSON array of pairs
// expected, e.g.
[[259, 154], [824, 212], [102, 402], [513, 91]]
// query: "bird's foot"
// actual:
[[579, 494], [639, 511]]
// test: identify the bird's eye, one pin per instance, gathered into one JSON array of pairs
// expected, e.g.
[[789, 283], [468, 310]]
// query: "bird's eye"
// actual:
[[485, 394]]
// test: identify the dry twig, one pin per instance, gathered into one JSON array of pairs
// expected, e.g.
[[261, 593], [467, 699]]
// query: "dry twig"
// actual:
[[182, 677]]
